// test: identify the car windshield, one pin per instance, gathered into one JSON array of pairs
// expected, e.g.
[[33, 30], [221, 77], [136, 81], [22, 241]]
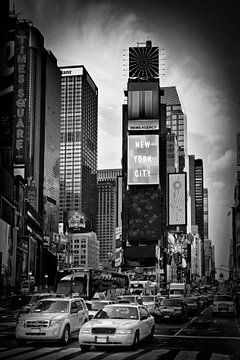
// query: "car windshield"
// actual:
[[127, 299], [171, 302], [148, 298], [51, 306], [96, 305], [190, 300], [222, 298], [117, 312]]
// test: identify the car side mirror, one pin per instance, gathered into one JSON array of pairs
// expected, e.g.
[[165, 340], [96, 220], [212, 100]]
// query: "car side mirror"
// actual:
[[143, 317]]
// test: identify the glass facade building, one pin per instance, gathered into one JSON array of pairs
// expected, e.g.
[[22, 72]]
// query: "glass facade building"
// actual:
[[176, 120], [108, 206], [78, 148]]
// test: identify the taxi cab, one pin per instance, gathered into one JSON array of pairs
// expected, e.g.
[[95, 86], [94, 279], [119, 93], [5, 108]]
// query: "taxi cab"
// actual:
[[51, 319], [223, 304], [120, 324]]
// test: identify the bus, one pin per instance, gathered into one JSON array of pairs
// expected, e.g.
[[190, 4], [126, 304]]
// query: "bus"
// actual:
[[86, 282], [143, 287]]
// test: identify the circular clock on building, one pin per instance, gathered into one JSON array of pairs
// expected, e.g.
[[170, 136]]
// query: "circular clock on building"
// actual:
[[144, 62]]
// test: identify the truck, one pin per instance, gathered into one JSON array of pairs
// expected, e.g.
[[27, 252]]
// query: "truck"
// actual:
[[177, 290]]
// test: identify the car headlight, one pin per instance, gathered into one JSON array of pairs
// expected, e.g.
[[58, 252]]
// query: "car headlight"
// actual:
[[54, 323], [124, 331], [21, 322], [85, 330]]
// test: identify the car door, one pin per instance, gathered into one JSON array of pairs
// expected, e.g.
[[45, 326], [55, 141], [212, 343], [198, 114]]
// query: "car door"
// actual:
[[143, 323], [81, 314], [74, 321]]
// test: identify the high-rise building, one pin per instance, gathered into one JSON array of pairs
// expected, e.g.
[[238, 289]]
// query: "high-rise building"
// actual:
[[199, 204], [52, 145], [29, 108], [109, 206], [176, 120], [78, 151], [205, 212], [142, 160]]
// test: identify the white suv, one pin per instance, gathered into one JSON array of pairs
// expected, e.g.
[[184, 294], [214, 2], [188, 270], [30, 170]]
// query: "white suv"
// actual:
[[52, 319]]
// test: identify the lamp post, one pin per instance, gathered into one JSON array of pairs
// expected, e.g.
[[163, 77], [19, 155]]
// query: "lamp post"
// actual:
[[46, 281], [29, 280]]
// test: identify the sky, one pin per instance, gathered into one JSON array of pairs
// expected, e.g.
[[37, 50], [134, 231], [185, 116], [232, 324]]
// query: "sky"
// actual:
[[199, 42]]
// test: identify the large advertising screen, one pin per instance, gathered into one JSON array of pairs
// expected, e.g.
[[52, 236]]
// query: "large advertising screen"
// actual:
[[177, 209], [143, 214], [143, 159]]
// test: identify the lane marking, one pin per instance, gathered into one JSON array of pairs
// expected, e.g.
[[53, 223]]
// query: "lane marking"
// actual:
[[199, 337]]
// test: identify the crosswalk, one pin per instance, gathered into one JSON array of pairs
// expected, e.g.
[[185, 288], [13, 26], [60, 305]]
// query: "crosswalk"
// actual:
[[73, 353]]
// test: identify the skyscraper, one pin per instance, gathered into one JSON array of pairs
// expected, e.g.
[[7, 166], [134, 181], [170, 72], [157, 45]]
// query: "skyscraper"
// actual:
[[78, 151], [205, 212], [108, 208], [142, 158], [176, 120]]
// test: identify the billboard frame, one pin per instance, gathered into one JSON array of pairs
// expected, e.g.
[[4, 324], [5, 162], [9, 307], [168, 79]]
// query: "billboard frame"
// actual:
[[184, 222]]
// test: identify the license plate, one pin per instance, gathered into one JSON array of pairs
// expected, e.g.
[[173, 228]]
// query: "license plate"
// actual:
[[35, 331], [101, 339], [166, 316]]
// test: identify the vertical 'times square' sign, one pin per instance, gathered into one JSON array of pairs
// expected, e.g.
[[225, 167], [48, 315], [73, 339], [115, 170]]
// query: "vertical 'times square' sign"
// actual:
[[143, 159]]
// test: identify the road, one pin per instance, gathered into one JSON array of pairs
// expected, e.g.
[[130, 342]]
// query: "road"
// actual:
[[200, 338]]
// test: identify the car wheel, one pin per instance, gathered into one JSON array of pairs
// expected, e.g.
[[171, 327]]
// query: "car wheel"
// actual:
[[85, 348], [66, 335], [21, 342], [135, 341]]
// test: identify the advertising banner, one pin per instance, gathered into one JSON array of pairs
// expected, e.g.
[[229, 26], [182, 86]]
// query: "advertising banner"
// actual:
[[20, 102], [74, 220], [177, 210], [143, 159]]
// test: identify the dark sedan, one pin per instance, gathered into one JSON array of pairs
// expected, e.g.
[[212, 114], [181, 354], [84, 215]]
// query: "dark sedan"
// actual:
[[173, 309], [193, 305]]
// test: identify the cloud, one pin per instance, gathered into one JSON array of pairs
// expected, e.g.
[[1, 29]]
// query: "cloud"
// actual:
[[219, 162]]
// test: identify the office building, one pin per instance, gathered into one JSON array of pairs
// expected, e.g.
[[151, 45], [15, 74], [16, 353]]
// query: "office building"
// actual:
[[205, 212], [141, 158], [176, 120], [52, 145], [78, 149], [26, 106], [109, 206], [84, 250]]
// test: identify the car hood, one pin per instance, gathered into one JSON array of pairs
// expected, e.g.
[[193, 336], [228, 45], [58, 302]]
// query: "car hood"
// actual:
[[111, 322], [44, 316], [223, 302]]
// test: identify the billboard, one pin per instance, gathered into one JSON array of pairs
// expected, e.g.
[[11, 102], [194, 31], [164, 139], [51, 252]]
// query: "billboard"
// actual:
[[177, 204], [20, 101], [143, 159], [74, 221], [143, 214]]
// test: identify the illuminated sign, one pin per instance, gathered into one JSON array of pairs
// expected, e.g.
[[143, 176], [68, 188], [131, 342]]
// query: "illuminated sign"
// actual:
[[20, 128], [143, 159], [143, 125], [177, 211], [72, 71]]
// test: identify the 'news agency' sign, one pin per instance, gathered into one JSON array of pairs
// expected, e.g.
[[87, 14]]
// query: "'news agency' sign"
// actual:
[[143, 159]]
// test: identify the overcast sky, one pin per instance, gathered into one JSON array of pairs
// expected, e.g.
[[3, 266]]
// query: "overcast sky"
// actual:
[[202, 59]]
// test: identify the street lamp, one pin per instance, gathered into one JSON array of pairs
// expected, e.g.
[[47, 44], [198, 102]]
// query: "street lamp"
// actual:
[[29, 280], [46, 281]]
